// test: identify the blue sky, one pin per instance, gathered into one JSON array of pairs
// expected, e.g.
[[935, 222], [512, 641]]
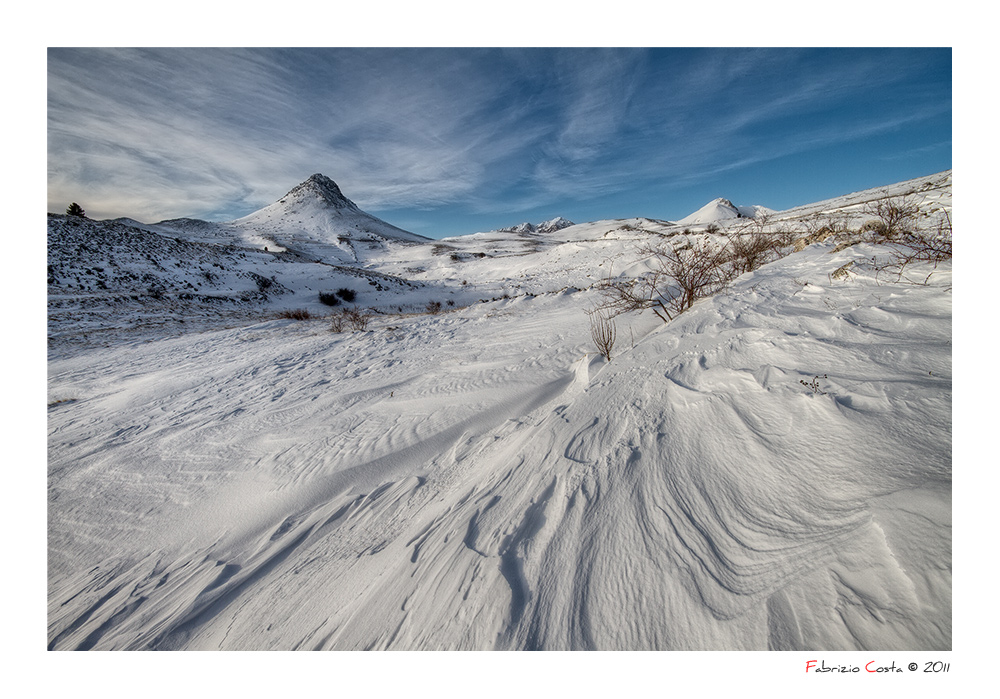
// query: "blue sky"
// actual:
[[451, 141]]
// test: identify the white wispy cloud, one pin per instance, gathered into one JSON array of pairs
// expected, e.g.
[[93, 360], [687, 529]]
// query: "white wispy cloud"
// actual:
[[216, 133], [183, 130]]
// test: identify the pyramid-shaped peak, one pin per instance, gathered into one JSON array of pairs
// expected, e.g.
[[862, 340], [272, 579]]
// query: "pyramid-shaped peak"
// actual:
[[321, 187], [316, 210]]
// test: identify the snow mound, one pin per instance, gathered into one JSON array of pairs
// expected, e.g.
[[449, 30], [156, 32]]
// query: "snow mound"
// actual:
[[197, 231], [314, 218]]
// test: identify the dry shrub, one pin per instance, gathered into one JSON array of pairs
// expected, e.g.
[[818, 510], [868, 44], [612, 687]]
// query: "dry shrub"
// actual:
[[358, 318], [908, 247], [680, 276], [892, 218], [753, 245], [296, 314], [602, 332], [354, 318], [818, 228]]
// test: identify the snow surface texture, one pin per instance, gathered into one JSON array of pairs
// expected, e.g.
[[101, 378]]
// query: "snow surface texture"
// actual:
[[771, 470]]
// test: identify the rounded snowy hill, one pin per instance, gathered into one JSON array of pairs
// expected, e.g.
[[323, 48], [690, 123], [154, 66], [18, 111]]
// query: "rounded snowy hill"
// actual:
[[721, 210], [317, 219]]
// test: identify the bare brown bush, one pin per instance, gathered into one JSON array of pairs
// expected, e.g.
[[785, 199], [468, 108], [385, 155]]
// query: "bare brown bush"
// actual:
[[908, 247], [891, 218], [754, 244], [296, 314], [358, 318], [819, 228], [678, 278]]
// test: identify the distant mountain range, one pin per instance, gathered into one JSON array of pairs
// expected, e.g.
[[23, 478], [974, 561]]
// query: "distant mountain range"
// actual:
[[556, 224], [316, 220]]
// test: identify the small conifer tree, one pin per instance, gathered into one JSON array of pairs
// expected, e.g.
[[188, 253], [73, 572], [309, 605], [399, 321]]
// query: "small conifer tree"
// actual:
[[75, 209]]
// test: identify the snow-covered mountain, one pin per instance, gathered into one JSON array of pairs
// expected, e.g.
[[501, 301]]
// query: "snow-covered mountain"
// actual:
[[317, 218], [770, 470], [550, 226], [314, 219], [722, 210]]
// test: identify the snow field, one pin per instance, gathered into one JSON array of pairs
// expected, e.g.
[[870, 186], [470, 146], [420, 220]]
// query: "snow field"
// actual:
[[479, 479]]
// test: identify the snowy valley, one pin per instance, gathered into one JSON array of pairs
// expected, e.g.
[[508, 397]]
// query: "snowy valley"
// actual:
[[310, 429]]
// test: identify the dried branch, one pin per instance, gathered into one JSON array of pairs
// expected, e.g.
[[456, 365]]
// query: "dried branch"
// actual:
[[753, 245], [603, 333], [892, 218], [909, 247]]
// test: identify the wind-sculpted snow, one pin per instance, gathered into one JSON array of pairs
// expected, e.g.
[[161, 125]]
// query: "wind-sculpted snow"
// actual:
[[477, 480]]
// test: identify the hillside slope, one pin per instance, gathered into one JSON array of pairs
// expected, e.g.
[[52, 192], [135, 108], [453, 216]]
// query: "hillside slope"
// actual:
[[110, 281]]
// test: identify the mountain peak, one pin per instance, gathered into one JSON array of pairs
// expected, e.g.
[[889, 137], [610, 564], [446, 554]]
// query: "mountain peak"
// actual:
[[323, 188]]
